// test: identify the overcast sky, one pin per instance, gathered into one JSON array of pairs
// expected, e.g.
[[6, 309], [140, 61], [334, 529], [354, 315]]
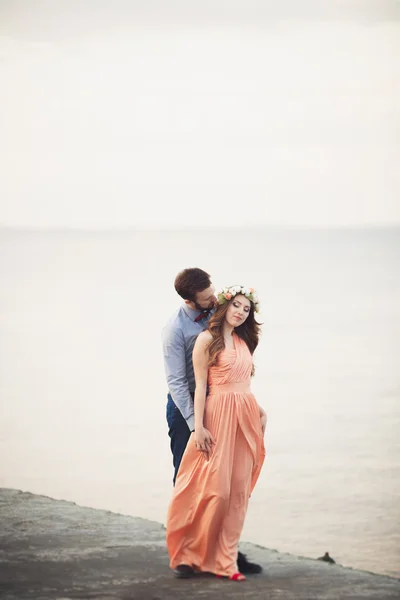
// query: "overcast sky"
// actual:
[[193, 112]]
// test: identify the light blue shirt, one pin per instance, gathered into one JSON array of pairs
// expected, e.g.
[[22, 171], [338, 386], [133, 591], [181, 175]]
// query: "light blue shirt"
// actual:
[[178, 337]]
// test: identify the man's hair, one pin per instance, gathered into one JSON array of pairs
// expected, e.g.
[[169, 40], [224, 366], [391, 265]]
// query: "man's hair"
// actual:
[[189, 282]]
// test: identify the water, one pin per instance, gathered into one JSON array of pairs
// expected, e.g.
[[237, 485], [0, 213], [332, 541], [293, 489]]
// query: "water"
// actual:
[[83, 392]]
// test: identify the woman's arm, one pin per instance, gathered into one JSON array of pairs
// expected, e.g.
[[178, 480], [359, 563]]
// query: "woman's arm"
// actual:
[[263, 414], [203, 438], [263, 417]]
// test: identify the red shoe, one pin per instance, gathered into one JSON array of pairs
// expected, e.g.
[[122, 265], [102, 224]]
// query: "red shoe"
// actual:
[[237, 577], [234, 577]]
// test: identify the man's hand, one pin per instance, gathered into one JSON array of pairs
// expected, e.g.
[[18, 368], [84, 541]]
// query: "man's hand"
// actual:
[[203, 440]]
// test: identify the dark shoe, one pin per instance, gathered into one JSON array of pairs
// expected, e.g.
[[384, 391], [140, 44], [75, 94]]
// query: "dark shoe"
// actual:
[[183, 572], [247, 567]]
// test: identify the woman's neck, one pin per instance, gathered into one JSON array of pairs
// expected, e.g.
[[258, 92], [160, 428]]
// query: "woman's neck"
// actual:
[[227, 330]]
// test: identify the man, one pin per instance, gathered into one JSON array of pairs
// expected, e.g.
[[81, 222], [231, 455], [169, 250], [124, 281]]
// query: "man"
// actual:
[[179, 336]]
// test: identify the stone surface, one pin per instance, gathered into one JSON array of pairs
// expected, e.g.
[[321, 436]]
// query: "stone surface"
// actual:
[[51, 549]]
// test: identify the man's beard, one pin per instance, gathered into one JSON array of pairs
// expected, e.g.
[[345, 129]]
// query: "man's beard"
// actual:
[[204, 310]]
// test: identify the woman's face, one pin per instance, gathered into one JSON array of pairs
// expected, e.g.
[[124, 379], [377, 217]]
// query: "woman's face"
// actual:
[[238, 310]]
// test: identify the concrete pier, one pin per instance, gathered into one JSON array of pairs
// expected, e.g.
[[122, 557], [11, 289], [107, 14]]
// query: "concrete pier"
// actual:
[[52, 549]]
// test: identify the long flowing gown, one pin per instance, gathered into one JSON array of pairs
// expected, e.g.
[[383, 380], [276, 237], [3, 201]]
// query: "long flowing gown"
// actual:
[[209, 503]]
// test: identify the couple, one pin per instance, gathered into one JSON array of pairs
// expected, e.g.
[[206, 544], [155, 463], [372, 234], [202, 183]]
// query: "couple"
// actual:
[[215, 425]]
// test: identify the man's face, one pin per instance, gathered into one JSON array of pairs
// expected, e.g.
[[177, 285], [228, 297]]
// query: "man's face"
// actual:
[[206, 299]]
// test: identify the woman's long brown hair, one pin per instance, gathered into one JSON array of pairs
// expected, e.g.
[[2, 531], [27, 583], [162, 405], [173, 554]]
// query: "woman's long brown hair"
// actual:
[[249, 331]]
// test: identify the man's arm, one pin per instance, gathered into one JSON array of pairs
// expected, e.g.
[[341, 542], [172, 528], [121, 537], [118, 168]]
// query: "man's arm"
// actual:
[[175, 370]]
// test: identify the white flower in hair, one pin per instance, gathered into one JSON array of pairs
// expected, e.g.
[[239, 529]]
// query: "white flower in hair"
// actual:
[[227, 293]]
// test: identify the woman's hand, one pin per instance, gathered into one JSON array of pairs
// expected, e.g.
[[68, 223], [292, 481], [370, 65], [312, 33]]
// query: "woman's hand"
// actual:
[[203, 440], [263, 418]]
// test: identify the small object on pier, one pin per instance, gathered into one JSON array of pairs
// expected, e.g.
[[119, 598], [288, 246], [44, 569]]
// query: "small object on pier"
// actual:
[[327, 558]]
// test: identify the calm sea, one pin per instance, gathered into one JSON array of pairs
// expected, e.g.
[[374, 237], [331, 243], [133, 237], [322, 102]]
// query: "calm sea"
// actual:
[[82, 385]]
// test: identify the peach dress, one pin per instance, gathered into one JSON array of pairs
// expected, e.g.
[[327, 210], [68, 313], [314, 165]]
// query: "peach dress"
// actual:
[[209, 503]]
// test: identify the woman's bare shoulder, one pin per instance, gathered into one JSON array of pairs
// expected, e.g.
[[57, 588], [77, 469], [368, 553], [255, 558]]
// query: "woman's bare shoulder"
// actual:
[[203, 339]]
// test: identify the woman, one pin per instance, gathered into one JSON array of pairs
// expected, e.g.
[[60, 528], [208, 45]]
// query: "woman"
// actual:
[[224, 455]]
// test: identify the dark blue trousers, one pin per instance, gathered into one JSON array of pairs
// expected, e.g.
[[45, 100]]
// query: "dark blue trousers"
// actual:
[[179, 433]]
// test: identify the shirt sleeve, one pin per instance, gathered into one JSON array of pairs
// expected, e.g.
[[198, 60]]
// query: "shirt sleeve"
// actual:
[[175, 371]]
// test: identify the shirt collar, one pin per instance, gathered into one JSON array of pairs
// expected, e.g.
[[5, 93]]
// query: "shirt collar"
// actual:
[[193, 313]]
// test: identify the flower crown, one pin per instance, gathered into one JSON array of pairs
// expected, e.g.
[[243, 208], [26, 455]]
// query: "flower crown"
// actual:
[[227, 293]]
